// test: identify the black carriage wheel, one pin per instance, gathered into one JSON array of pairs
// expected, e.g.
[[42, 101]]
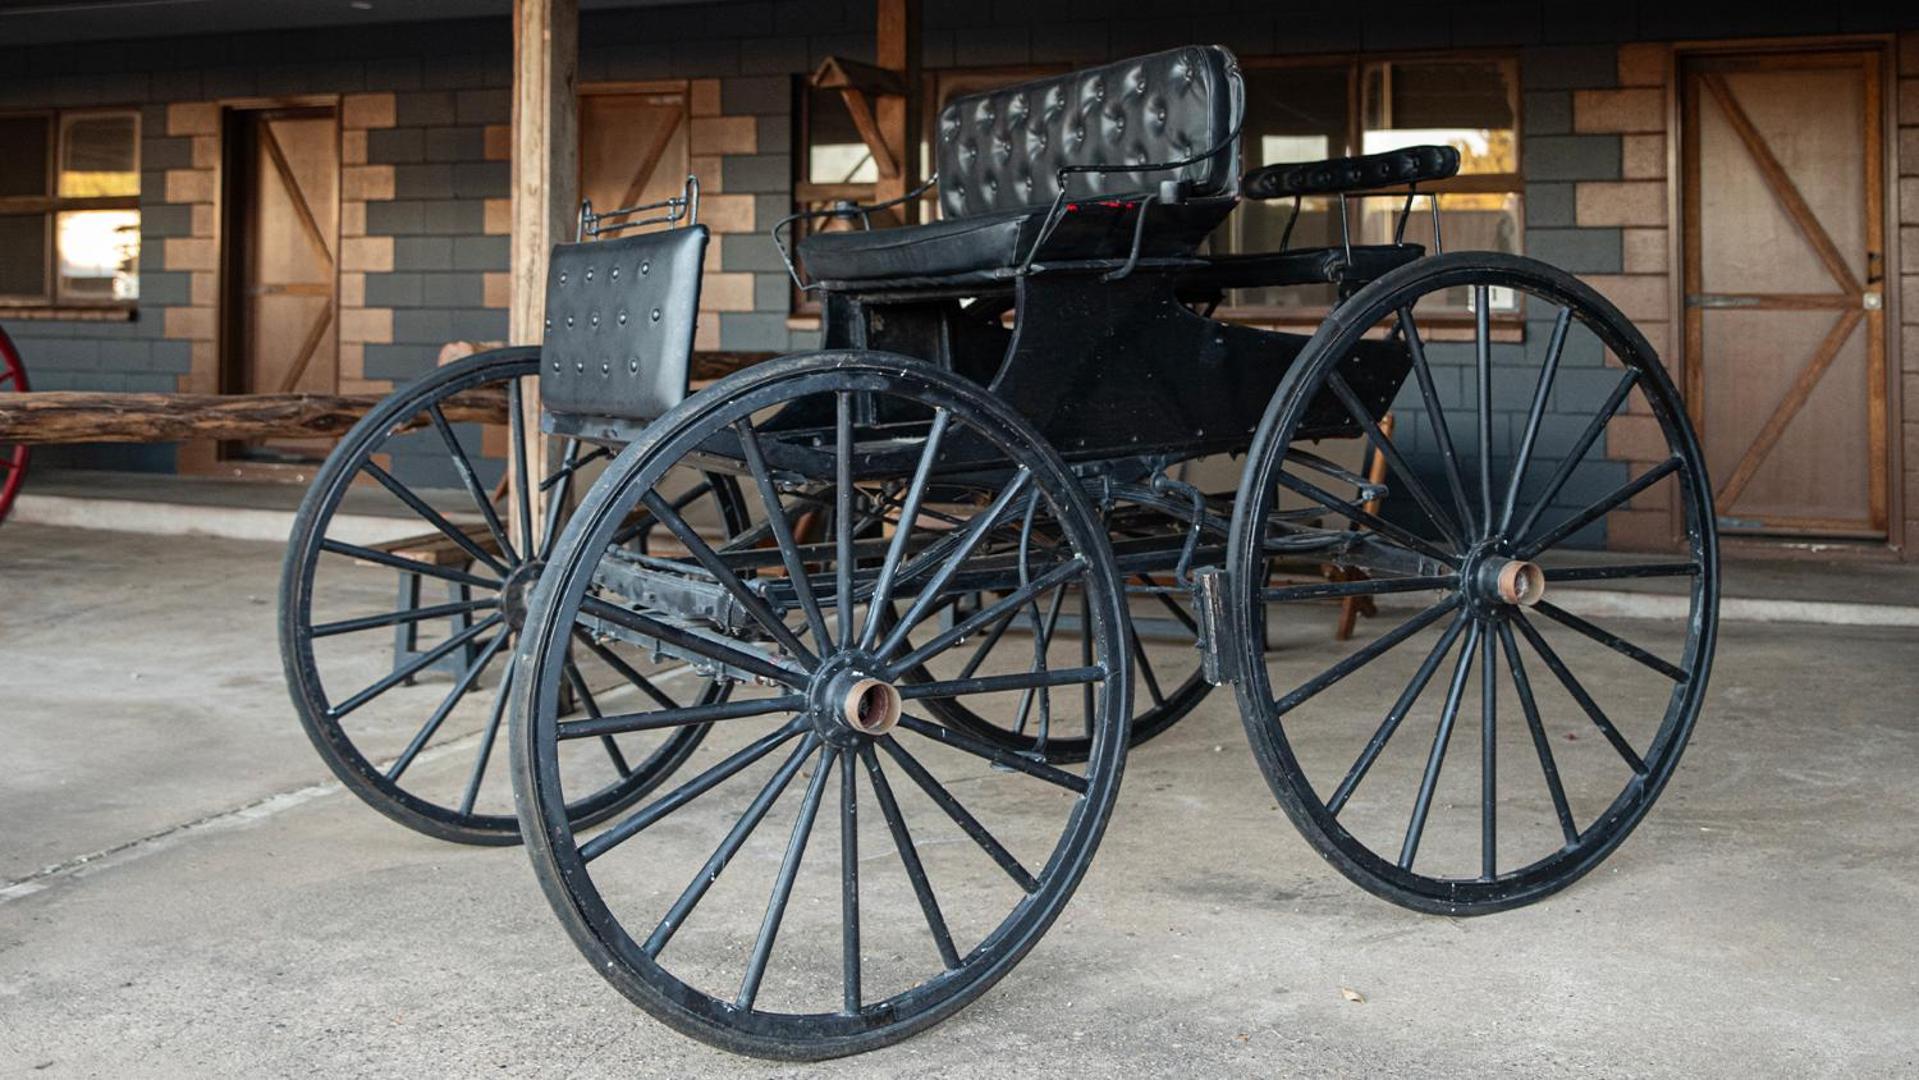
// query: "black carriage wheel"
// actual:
[[831, 699], [1488, 552], [484, 605], [13, 457], [1160, 702]]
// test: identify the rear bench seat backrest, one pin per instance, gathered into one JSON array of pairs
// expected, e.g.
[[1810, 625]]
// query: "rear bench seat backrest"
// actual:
[[1002, 150]]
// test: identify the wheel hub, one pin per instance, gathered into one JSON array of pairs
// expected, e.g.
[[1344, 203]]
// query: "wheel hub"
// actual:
[[1493, 581], [517, 589], [851, 698]]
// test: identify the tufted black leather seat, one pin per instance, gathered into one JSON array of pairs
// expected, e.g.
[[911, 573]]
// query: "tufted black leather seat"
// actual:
[[999, 154]]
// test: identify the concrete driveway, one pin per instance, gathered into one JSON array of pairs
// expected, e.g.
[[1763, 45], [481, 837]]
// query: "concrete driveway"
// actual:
[[184, 891]]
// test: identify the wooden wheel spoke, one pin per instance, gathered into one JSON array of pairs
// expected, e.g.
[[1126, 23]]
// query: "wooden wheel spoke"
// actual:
[[1611, 641], [910, 859], [689, 716], [783, 884], [1613, 499], [1542, 746], [1360, 516], [1397, 714], [783, 534], [1385, 448], [882, 593], [576, 679], [522, 492], [1435, 413], [561, 483], [625, 670], [729, 847], [1579, 694], [434, 518], [930, 593], [1542, 392], [1483, 381], [1363, 587], [1004, 608], [411, 566], [471, 481], [461, 685], [1373, 651], [487, 737], [639, 820], [397, 618], [755, 662], [1562, 574], [414, 666], [991, 684], [843, 527], [1577, 454], [849, 885], [1442, 736], [1000, 756], [962, 817]]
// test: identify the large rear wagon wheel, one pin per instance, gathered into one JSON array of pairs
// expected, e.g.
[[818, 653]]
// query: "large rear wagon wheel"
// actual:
[[1578, 727], [13, 457], [404, 590], [724, 929]]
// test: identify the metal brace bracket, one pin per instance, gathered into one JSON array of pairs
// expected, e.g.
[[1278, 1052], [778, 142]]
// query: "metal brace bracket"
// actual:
[[1209, 610]]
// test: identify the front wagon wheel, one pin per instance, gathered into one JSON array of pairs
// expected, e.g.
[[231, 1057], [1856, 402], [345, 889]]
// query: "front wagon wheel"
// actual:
[[839, 868], [1503, 491]]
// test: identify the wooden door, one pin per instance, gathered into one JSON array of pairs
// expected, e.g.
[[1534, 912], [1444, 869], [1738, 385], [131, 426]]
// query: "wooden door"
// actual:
[[633, 146], [1784, 288], [283, 220]]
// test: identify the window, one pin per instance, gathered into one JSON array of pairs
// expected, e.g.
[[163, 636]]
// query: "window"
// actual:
[[1306, 112], [70, 208]]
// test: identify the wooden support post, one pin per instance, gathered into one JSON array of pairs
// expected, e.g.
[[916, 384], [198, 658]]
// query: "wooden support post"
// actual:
[[896, 48], [546, 172]]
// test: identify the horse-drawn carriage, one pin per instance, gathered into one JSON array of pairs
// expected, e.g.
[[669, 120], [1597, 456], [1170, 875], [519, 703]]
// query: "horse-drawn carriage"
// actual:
[[932, 568]]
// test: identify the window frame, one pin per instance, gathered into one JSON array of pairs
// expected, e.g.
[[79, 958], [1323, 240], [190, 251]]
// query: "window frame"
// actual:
[[1357, 65], [51, 205]]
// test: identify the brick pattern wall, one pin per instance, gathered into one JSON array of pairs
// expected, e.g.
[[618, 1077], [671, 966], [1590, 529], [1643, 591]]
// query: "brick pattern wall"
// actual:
[[424, 211]]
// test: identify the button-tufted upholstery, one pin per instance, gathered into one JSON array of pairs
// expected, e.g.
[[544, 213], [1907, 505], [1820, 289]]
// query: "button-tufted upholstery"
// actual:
[[999, 154], [620, 317], [1002, 150]]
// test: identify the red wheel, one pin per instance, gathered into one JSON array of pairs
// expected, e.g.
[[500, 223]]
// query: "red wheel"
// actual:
[[13, 459]]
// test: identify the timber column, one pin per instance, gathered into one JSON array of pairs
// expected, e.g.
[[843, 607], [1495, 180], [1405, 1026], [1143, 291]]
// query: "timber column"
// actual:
[[546, 156]]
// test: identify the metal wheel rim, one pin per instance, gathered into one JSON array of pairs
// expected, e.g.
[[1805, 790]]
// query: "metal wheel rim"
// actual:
[[1608, 828], [563, 873]]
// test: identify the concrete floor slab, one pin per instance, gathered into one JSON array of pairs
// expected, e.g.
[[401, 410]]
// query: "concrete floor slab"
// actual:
[[1758, 924]]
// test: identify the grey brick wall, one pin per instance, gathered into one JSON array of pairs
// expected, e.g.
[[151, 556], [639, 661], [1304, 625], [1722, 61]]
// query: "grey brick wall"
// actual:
[[441, 253], [450, 79]]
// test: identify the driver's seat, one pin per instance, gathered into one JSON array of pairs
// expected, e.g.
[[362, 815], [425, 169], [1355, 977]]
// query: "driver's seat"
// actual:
[[999, 155]]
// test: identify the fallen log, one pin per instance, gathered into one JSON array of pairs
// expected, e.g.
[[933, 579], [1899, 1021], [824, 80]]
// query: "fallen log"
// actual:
[[43, 417]]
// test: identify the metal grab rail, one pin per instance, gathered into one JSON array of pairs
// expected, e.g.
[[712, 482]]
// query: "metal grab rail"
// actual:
[[684, 207]]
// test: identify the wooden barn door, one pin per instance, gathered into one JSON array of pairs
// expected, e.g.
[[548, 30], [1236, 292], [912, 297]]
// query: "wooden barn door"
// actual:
[[633, 145], [283, 218], [1784, 288]]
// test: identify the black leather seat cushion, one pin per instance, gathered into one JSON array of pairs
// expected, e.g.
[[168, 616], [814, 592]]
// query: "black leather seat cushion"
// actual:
[[937, 249], [986, 247]]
